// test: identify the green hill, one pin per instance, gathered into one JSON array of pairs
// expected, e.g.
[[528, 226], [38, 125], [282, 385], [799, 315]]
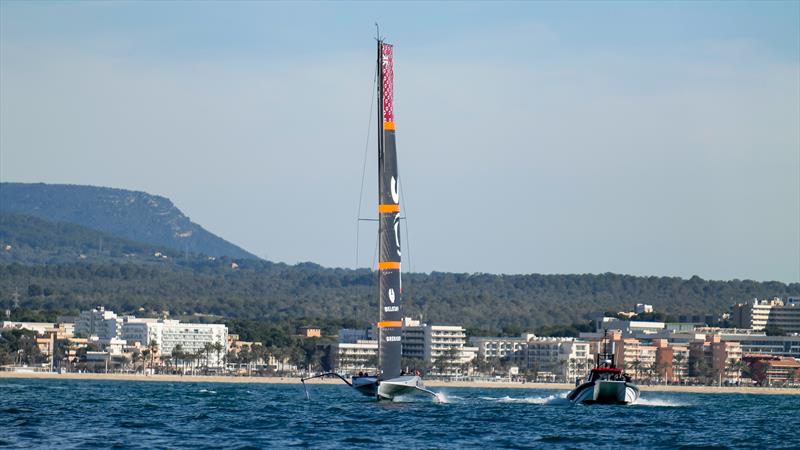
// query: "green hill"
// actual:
[[131, 215], [31, 240]]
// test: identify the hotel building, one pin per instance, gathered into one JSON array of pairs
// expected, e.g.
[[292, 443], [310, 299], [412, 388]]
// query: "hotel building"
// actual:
[[760, 314]]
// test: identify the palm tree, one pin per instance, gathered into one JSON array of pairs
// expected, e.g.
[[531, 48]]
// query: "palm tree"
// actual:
[[153, 348], [635, 365], [218, 348], [137, 357], [198, 355], [736, 366], [207, 347], [177, 354]]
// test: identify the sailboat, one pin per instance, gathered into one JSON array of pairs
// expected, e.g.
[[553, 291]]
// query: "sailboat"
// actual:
[[390, 381]]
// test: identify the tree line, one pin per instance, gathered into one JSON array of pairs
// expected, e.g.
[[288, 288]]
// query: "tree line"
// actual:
[[276, 293]]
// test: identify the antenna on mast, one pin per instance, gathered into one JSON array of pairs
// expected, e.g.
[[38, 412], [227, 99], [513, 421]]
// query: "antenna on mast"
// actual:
[[377, 31]]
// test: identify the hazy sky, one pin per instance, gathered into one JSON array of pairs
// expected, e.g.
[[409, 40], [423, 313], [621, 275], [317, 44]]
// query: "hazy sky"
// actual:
[[642, 138]]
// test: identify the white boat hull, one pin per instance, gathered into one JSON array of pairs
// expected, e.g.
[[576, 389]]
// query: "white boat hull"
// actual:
[[605, 392], [389, 389], [405, 385]]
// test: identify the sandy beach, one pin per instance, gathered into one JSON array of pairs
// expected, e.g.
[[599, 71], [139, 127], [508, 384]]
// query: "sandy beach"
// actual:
[[429, 383]]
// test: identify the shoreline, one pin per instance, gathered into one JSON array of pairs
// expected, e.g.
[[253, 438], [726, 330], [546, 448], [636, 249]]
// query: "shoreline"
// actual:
[[430, 383]]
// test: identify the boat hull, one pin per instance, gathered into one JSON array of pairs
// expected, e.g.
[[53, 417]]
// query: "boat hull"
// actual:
[[389, 389], [605, 392], [366, 385]]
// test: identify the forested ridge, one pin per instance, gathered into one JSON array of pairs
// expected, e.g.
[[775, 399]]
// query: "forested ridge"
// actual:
[[33, 240], [60, 265], [131, 215], [261, 290]]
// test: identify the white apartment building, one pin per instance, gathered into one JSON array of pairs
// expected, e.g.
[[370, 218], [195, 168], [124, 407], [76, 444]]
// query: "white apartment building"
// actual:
[[167, 334], [142, 330], [513, 349], [192, 337], [566, 358], [760, 314], [98, 322], [429, 342], [356, 356]]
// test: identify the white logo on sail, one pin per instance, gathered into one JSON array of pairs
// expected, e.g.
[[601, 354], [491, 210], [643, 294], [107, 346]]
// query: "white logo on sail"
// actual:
[[391, 295], [397, 233], [395, 194]]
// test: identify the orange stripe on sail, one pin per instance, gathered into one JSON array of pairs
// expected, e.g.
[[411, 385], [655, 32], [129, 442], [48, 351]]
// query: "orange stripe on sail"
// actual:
[[388, 208], [386, 265], [388, 125], [390, 324]]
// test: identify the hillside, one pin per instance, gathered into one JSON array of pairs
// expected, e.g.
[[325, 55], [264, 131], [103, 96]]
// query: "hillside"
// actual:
[[269, 291], [31, 240], [131, 215]]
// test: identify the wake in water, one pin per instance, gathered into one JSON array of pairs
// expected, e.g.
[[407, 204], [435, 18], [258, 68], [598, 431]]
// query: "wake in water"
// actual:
[[555, 399], [440, 397], [659, 402], [444, 397]]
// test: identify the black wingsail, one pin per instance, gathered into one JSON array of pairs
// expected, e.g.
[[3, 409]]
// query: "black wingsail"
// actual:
[[389, 223]]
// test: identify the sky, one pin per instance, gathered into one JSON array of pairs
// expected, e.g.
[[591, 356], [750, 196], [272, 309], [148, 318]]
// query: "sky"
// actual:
[[641, 138]]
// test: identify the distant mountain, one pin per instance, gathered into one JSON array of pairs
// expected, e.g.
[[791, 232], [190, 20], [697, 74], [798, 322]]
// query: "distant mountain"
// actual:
[[131, 215], [32, 240]]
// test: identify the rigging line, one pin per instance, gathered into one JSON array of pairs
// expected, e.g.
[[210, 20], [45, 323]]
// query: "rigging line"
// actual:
[[375, 255], [364, 164], [405, 208]]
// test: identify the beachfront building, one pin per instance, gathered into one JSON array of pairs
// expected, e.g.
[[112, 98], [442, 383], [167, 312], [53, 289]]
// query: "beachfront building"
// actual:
[[774, 313], [714, 358], [141, 330], [98, 322], [757, 341], [435, 341], [560, 358], [207, 343], [775, 371], [671, 361], [356, 356], [193, 339], [503, 348], [546, 358]]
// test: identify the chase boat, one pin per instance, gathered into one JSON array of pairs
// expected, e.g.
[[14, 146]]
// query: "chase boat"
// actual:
[[605, 383]]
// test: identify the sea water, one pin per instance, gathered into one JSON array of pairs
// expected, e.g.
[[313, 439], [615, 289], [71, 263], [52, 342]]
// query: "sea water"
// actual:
[[125, 414]]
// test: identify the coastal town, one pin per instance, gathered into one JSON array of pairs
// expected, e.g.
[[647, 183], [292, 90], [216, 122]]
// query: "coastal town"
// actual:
[[756, 343]]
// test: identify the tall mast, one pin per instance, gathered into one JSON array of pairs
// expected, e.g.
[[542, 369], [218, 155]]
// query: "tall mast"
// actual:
[[389, 283]]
